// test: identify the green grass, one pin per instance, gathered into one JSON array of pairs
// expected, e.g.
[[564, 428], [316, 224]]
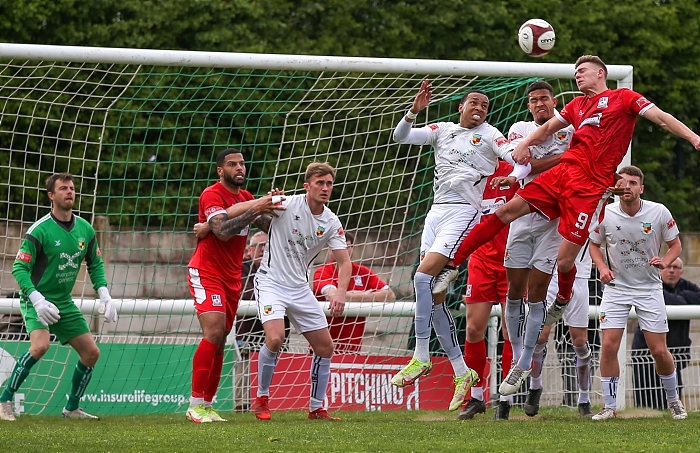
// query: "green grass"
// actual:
[[554, 430]]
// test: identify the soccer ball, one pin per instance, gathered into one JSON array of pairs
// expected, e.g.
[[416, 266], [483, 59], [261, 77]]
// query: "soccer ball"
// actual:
[[536, 37]]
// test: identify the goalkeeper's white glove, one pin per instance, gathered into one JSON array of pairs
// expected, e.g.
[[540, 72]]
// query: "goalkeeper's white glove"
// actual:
[[107, 307], [45, 310]]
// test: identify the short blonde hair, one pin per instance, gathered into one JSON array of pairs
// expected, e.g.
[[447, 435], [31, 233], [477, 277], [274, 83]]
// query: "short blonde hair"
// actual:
[[319, 169], [592, 59]]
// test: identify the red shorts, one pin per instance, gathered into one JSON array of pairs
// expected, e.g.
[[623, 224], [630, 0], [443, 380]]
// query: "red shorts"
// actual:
[[486, 282], [215, 295], [565, 192]]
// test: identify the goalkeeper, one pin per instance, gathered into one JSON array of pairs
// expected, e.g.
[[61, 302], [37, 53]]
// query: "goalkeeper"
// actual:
[[46, 268]]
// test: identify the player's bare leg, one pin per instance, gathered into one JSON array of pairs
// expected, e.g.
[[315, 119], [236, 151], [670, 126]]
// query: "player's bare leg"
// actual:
[[322, 345], [666, 369]]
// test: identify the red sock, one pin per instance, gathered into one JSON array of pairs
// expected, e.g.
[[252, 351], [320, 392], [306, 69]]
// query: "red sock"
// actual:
[[566, 284], [202, 364], [475, 356], [214, 378], [480, 235], [506, 357]]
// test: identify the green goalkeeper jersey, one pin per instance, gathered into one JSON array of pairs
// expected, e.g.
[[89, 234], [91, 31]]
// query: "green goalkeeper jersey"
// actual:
[[49, 258]]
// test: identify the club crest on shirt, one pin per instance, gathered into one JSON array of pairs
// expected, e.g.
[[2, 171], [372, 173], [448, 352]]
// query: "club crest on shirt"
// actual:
[[319, 231], [561, 136], [358, 281], [476, 139], [267, 309], [603, 102], [81, 243], [646, 227]]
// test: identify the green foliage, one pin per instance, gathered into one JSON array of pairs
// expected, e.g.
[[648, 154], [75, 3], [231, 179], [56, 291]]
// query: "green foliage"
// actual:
[[658, 37]]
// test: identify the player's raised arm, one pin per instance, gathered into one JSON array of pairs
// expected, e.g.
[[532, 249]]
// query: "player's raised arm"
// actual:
[[404, 132], [521, 153], [672, 124]]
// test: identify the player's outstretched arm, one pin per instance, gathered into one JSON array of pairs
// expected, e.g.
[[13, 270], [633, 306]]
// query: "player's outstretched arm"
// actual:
[[521, 153], [672, 124]]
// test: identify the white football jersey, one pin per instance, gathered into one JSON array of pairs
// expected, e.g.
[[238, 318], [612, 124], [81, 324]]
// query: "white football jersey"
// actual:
[[464, 158], [553, 145], [631, 241], [295, 238]]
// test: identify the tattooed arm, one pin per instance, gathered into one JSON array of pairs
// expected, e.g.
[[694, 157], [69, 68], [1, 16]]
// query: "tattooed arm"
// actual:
[[258, 212]]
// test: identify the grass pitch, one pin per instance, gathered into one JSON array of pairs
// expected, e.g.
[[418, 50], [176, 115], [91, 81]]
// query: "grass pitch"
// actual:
[[554, 430]]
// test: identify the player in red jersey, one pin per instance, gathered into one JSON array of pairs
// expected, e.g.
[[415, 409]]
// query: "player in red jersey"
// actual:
[[215, 272], [365, 286], [575, 191]]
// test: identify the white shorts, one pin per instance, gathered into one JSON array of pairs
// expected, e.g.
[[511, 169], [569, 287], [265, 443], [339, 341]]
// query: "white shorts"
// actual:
[[533, 241], [299, 304], [576, 313], [446, 226], [650, 308]]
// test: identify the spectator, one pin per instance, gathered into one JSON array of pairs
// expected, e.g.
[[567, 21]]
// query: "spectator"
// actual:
[[365, 286], [648, 391]]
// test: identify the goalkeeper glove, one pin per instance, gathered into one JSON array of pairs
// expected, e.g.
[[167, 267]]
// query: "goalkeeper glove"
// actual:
[[45, 310], [107, 307]]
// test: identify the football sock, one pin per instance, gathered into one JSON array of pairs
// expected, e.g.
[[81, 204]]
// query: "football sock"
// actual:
[[515, 321], [320, 373], [533, 328], [201, 366], [267, 361], [81, 378], [19, 374], [537, 361], [506, 357], [478, 392], [196, 401], [475, 356], [670, 384], [423, 284], [609, 385], [566, 283], [583, 372], [214, 378], [482, 233], [446, 331]]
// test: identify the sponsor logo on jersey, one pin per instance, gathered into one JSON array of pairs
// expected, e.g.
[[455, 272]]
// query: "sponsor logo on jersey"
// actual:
[[593, 120], [514, 136], [24, 256], [603, 102], [69, 261], [643, 102], [646, 227], [212, 209], [469, 291], [433, 127], [634, 247], [341, 232], [216, 300], [319, 231], [575, 234], [81, 243], [267, 309], [476, 139], [500, 141], [671, 223], [602, 316]]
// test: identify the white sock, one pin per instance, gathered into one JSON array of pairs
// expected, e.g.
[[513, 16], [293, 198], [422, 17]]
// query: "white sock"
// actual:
[[609, 385]]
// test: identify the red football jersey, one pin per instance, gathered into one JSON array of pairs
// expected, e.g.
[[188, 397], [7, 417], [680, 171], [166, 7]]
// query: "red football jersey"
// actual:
[[494, 250], [347, 332], [604, 126], [212, 255]]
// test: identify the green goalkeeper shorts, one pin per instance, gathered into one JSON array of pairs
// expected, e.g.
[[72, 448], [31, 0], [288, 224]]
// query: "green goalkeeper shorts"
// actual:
[[71, 324]]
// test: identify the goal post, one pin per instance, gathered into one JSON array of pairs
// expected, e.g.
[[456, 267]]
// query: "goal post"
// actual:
[[140, 130]]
